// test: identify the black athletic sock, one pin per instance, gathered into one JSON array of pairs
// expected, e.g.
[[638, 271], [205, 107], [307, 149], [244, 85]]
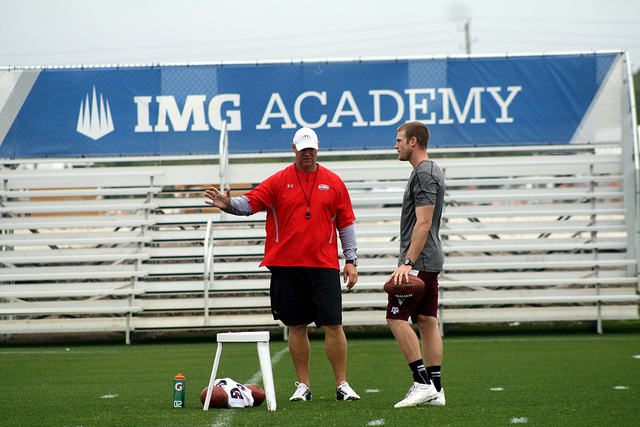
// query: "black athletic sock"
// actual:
[[434, 375], [418, 371]]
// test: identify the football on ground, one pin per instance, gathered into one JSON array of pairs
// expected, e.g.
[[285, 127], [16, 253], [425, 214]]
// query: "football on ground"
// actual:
[[258, 394], [218, 397], [405, 289]]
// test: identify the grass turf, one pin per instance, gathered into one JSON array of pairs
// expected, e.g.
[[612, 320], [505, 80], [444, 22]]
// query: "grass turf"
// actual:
[[570, 377]]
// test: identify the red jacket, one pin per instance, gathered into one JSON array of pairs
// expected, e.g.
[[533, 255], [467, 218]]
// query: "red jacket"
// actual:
[[293, 240]]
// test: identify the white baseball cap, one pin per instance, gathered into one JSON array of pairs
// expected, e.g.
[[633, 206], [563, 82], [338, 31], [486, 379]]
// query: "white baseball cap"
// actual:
[[305, 138]]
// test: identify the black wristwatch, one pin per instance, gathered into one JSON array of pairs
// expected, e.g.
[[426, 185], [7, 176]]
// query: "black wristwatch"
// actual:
[[407, 261], [352, 261]]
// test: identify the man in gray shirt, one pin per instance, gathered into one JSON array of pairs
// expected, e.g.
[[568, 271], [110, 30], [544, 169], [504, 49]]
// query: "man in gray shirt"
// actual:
[[420, 255]]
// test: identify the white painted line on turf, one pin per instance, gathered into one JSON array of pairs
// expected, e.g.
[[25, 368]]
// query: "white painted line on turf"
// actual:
[[379, 422], [636, 356], [519, 420], [108, 396], [224, 417], [496, 389], [274, 360], [620, 387], [372, 390]]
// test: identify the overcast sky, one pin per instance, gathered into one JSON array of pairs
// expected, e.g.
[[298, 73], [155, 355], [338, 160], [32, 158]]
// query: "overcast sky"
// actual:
[[94, 32]]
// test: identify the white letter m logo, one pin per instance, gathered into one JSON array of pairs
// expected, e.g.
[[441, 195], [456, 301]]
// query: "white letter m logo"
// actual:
[[94, 121]]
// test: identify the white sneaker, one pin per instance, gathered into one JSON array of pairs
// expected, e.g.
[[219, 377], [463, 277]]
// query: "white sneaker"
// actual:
[[436, 401], [418, 394], [302, 393], [345, 392]]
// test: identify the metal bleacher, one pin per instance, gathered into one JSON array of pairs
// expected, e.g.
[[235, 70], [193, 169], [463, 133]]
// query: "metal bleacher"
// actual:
[[535, 235]]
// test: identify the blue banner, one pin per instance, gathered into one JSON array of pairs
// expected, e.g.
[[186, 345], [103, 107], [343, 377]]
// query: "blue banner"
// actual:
[[164, 110]]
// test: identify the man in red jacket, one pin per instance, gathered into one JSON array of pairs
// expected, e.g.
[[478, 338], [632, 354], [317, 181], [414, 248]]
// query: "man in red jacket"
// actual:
[[307, 206]]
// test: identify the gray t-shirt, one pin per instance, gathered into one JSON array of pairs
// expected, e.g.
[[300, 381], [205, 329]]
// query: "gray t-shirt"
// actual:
[[425, 187]]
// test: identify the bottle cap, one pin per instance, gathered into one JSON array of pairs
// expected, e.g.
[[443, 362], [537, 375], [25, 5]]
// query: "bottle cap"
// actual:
[[179, 377]]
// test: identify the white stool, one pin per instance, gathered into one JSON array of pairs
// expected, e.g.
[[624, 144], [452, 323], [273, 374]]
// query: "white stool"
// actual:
[[262, 338]]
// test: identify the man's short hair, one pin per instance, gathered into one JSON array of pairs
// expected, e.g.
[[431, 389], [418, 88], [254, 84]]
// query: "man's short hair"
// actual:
[[417, 129]]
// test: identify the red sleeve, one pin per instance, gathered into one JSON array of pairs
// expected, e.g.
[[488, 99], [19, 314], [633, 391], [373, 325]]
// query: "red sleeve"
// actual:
[[345, 217], [263, 195]]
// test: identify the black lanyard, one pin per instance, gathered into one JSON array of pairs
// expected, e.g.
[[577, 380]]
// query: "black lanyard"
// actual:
[[310, 193]]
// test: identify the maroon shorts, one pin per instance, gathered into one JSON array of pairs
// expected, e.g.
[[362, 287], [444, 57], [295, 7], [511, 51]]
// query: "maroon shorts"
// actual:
[[426, 303]]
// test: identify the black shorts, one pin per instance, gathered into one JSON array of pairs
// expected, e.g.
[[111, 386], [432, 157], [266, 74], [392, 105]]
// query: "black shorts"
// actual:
[[301, 295], [426, 303]]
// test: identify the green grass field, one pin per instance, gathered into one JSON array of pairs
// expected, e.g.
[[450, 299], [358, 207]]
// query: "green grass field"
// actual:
[[558, 376]]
